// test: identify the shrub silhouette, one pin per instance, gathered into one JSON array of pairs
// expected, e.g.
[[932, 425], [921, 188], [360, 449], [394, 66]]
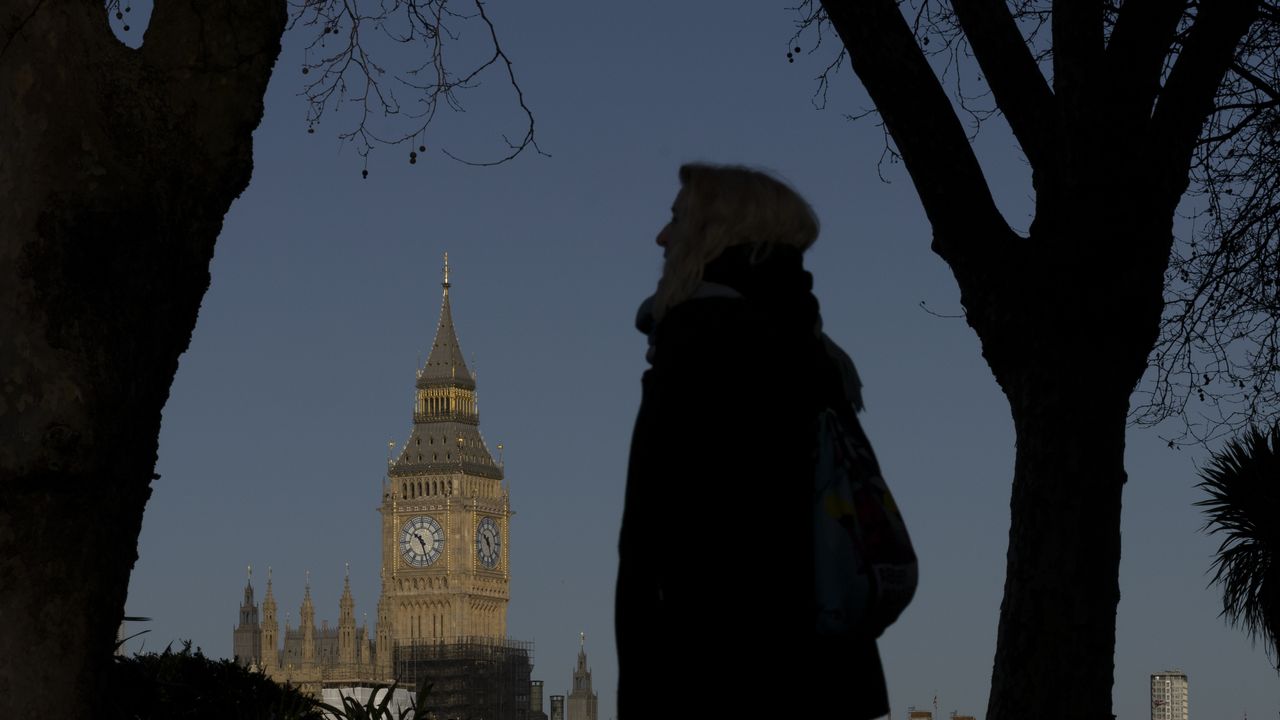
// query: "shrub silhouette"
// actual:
[[186, 684]]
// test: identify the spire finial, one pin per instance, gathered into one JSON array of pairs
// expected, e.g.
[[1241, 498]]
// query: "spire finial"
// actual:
[[446, 271], [250, 572], [348, 574], [582, 641], [308, 580]]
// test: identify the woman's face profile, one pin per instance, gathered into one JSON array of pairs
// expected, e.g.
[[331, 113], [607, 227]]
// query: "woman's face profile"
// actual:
[[671, 231]]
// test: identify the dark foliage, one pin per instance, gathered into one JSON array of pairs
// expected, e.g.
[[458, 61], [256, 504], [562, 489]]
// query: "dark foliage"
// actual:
[[186, 684], [1243, 483]]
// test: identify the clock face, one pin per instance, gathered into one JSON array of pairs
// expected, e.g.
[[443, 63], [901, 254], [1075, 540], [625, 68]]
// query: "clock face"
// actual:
[[488, 543], [421, 541]]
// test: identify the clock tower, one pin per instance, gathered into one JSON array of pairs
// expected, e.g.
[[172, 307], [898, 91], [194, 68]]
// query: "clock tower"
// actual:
[[445, 514]]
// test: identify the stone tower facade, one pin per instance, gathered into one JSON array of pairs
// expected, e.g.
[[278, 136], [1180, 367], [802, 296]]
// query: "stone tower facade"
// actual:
[[246, 638], [445, 511], [582, 699], [445, 514]]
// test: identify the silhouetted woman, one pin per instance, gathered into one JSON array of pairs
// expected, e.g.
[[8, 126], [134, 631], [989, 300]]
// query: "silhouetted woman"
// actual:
[[715, 602]]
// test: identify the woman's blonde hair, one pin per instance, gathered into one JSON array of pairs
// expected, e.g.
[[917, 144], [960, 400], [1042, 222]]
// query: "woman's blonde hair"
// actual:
[[722, 206]]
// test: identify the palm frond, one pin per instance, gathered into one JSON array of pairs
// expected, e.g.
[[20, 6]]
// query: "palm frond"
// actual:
[[1242, 481]]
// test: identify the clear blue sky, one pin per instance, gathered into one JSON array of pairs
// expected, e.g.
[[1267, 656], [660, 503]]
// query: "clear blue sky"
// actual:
[[326, 291]]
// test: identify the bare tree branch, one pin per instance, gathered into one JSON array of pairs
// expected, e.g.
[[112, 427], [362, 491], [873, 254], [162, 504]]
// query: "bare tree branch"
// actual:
[[397, 107], [1135, 57], [1019, 87], [1216, 365], [1078, 43], [1188, 95], [924, 126]]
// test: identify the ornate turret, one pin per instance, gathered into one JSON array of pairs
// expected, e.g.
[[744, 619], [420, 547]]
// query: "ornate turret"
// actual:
[[382, 649], [248, 609], [247, 636], [307, 624], [346, 622], [270, 629], [582, 699], [366, 644], [446, 416]]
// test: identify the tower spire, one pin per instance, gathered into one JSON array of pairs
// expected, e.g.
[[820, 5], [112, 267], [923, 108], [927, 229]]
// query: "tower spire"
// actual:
[[445, 364], [347, 622], [270, 629], [248, 593]]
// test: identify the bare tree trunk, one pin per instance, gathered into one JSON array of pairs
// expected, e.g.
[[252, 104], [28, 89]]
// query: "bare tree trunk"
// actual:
[[1056, 634], [1066, 320], [116, 168]]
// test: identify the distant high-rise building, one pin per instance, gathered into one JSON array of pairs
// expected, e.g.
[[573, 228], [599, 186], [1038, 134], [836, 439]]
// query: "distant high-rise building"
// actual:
[[1169, 695], [582, 699], [557, 707]]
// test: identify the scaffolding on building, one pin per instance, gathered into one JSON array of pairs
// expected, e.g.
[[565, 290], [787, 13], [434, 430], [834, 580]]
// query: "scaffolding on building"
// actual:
[[472, 677]]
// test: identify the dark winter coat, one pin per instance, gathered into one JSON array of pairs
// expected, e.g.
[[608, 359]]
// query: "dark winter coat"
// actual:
[[715, 609]]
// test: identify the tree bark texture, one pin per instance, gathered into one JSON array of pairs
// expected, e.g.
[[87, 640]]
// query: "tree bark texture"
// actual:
[[116, 168], [1067, 315], [1067, 344], [1058, 617]]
